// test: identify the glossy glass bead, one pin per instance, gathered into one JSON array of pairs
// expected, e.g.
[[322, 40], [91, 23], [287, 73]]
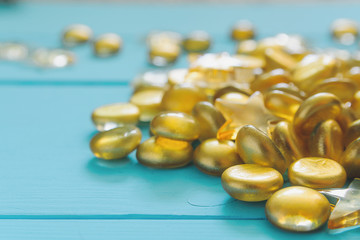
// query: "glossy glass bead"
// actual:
[[214, 157], [209, 119], [107, 45], [114, 115], [13, 51], [313, 68], [235, 97], [246, 47], [277, 58], [266, 80], [52, 58], [344, 30], [164, 48], [355, 104], [116, 143], [149, 103], [182, 98], [289, 145], [160, 152], [313, 110], [243, 30], [197, 41], [352, 133], [251, 182], [175, 125], [150, 80], [177, 76], [255, 147], [282, 104], [350, 159], [288, 88], [298, 209], [314, 172], [76, 34], [327, 140]]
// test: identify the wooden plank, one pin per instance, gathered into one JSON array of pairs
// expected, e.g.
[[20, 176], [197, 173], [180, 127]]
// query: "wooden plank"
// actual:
[[48, 171], [155, 229]]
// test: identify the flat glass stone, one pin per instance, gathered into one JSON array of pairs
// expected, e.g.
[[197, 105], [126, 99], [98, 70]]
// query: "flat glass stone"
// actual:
[[76, 34], [107, 45], [11, 51], [52, 58]]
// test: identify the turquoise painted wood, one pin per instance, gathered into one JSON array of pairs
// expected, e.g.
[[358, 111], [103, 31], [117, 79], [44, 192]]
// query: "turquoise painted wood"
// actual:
[[51, 186], [154, 229]]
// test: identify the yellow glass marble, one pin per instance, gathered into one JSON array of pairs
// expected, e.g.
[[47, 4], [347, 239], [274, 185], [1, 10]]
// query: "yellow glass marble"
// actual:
[[182, 97], [266, 80], [150, 80], [76, 34], [177, 76], [107, 45], [313, 68], [345, 31], [313, 110], [116, 143], [352, 133], [197, 41], [298, 209], [277, 58], [175, 125], [314, 172], [209, 119], [164, 48], [214, 157], [287, 142], [238, 114], [159, 152], [114, 115], [149, 103], [246, 47], [282, 104], [327, 140], [343, 88], [251, 182], [254, 146], [243, 30], [350, 159]]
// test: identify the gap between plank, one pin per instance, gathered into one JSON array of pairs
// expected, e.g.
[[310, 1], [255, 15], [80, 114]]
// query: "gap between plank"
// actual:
[[63, 83]]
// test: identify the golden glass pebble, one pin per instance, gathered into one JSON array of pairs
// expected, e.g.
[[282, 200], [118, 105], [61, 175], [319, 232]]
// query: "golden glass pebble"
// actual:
[[343, 88], [209, 119], [246, 47], [232, 87], [114, 115], [214, 157], [255, 147], [298, 209], [327, 140], [107, 45], [177, 76], [235, 97], [288, 88], [243, 30], [355, 104], [76, 34], [352, 133], [287, 142], [317, 108], [150, 80], [52, 58], [13, 51], [350, 159], [277, 58], [314, 172], [251, 182], [256, 114], [313, 68], [160, 152], [182, 97], [354, 75], [175, 125], [164, 48], [116, 143], [149, 103], [282, 104], [197, 41], [266, 80], [345, 31]]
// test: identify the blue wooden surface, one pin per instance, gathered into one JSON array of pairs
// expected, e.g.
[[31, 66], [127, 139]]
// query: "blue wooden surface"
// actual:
[[51, 186]]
